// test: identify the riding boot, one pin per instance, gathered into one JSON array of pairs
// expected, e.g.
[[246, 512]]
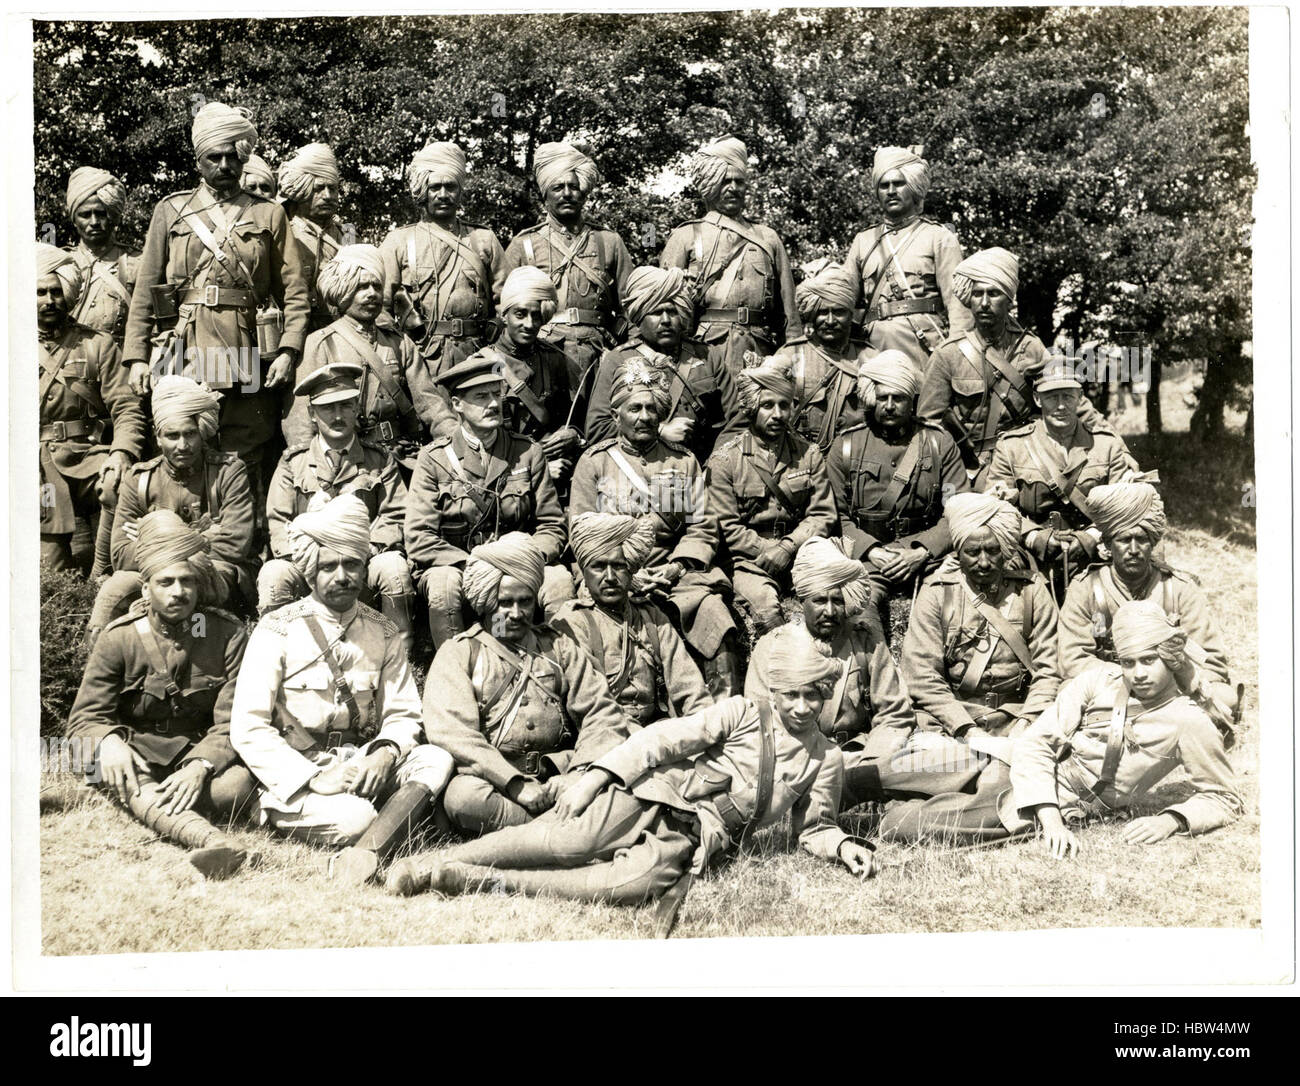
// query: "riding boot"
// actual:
[[213, 854], [392, 826], [862, 785], [399, 610], [722, 674]]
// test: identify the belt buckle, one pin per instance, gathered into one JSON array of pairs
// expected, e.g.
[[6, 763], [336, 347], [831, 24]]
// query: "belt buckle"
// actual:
[[60, 431], [778, 529], [992, 699], [333, 739], [386, 431], [841, 738], [571, 315], [742, 314], [457, 327], [533, 763], [212, 295]]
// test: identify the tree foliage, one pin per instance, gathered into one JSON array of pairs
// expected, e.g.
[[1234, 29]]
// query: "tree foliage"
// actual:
[[1108, 148]]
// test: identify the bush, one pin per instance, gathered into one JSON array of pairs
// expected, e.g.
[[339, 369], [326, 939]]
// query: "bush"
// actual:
[[66, 600]]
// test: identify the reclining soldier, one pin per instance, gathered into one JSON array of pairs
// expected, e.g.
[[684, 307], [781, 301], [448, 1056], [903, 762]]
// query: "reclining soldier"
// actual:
[[156, 696]]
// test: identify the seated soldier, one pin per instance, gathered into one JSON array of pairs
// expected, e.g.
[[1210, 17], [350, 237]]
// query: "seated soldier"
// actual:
[[1048, 467], [638, 472], [397, 399], [327, 715], [1131, 519], [770, 491], [891, 476], [979, 655], [473, 486], [538, 403], [672, 799], [703, 404], [646, 665], [1113, 734], [825, 364], [336, 461], [155, 700], [193, 478], [507, 698]]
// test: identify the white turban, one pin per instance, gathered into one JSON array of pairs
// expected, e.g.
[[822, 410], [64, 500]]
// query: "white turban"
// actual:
[[995, 266], [515, 554], [969, 512], [798, 659], [908, 160], [257, 166], [553, 162], [315, 162], [594, 534], [771, 373], [163, 539], [88, 181], [342, 524], [833, 286], [216, 125], [647, 288], [52, 261], [340, 278], [433, 162], [526, 285], [889, 371], [822, 565], [177, 397], [1120, 507], [709, 165]]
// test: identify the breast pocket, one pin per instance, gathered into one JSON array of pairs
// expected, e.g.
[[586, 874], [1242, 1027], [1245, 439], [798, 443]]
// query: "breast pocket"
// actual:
[[967, 388], [866, 482], [309, 699], [518, 503]]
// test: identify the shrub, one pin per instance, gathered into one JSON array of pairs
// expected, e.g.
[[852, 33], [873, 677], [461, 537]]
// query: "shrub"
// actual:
[[66, 599]]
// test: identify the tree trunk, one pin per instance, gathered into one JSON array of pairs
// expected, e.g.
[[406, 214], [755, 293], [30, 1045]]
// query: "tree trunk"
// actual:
[[1220, 374], [1155, 425]]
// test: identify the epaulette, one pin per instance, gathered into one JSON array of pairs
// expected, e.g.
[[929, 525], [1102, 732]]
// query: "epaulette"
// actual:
[[1024, 430], [133, 612], [530, 229], [439, 442], [386, 625], [222, 613], [730, 443], [602, 444], [145, 465], [179, 193], [296, 450], [852, 429], [938, 222], [277, 621]]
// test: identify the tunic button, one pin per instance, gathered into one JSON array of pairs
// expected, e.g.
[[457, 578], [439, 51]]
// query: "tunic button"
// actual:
[[532, 727]]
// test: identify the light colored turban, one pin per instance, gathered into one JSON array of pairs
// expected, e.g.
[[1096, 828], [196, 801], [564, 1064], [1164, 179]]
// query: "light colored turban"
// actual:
[[514, 553], [1139, 625], [821, 565], [594, 534], [832, 287], [177, 397], [432, 162], [709, 165], [797, 659], [1120, 507], [163, 539], [309, 164], [52, 261], [526, 285], [968, 513], [342, 524], [553, 162], [88, 181], [257, 166], [340, 278], [647, 288], [996, 266], [889, 371], [915, 170], [637, 374], [216, 125], [772, 374]]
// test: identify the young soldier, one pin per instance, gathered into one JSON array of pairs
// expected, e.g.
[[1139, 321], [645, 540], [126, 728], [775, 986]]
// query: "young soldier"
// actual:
[[309, 191], [1113, 733], [326, 713], [515, 704], [156, 696], [95, 202], [770, 491], [258, 179], [673, 799]]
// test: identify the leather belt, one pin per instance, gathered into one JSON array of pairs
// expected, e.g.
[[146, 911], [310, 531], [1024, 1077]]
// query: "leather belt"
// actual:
[[385, 431], [743, 315], [62, 431], [216, 297], [732, 819], [578, 316], [528, 763], [458, 327], [901, 307]]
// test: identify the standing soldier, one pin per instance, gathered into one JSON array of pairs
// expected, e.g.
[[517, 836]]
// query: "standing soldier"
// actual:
[[156, 696], [96, 200], [891, 476], [646, 665], [704, 404], [441, 272], [825, 364], [397, 394], [205, 487], [326, 712], [258, 179], [309, 191], [1047, 468], [334, 460], [471, 487], [770, 492], [638, 473], [516, 704], [91, 424], [739, 274], [587, 263], [906, 263], [221, 285]]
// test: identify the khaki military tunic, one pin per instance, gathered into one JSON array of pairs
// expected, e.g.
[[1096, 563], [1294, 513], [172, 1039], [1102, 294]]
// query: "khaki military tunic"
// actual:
[[107, 283], [825, 390], [317, 246], [538, 399]]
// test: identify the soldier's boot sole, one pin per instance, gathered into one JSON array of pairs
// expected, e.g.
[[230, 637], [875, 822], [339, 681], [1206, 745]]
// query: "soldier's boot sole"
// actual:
[[406, 878], [354, 866], [219, 862]]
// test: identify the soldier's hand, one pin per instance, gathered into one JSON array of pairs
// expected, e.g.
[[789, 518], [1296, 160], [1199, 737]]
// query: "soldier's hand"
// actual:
[[117, 767], [531, 796], [1058, 840], [774, 558], [1173, 651], [131, 529], [281, 371], [578, 796], [331, 781], [110, 474], [138, 378], [1149, 830], [374, 773], [563, 439], [677, 430], [558, 469], [903, 563], [180, 791], [860, 861]]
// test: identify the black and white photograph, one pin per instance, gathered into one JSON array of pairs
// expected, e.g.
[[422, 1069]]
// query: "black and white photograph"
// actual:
[[591, 478]]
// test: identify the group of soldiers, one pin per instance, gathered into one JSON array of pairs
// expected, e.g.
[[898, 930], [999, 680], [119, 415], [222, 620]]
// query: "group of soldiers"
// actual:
[[653, 517]]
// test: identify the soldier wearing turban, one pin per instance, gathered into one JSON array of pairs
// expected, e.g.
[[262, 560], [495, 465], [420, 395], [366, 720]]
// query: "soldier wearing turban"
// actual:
[[95, 202], [979, 655], [904, 266], [515, 702], [703, 404], [193, 479], [1131, 519], [397, 398], [441, 271], [237, 324], [587, 264], [154, 703], [309, 190], [738, 270], [258, 179], [1157, 715], [770, 491], [91, 425], [326, 712]]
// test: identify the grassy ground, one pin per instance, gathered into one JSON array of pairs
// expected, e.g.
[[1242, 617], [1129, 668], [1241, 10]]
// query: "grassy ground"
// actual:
[[108, 885]]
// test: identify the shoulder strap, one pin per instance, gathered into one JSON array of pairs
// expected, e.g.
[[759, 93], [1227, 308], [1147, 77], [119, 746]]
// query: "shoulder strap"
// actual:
[[210, 243], [48, 377], [145, 476], [340, 680], [903, 475], [769, 484], [520, 390], [386, 381], [766, 769], [998, 623], [1060, 485], [153, 651], [1114, 747]]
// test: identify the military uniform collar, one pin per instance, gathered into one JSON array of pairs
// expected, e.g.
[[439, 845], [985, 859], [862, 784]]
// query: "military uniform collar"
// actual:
[[321, 450], [207, 195], [179, 631], [197, 470], [82, 255], [625, 446], [552, 223], [345, 619], [877, 431], [371, 333]]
